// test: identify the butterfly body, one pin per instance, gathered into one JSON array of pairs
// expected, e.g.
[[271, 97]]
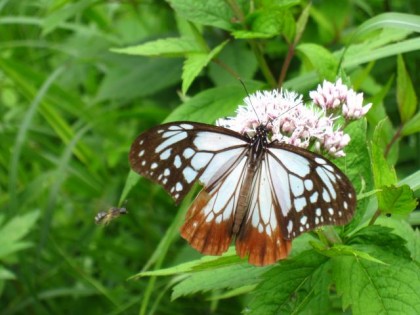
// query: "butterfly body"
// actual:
[[262, 194]]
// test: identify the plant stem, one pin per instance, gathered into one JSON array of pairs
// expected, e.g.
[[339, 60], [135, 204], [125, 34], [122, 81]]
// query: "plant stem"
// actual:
[[394, 139], [375, 216]]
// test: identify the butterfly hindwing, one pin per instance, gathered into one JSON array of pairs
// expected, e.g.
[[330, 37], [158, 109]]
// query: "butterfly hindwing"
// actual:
[[311, 191], [176, 155]]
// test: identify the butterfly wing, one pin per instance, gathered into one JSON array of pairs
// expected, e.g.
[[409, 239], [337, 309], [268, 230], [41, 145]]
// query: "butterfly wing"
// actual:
[[176, 155], [261, 235], [210, 219], [310, 190]]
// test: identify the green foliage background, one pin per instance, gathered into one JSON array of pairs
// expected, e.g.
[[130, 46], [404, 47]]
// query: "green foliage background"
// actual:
[[80, 79]]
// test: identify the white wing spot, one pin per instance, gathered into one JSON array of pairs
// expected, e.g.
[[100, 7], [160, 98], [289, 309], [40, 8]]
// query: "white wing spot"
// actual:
[[201, 159], [172, 189], [350, 195], [174, 127], [165, 180], [166, 154], [300, 203], [154, 165], [299, 163], [329, 168], [326, 195], [296, 185], [143, 163], [340, 213], [303, 220], [309, 184], [320, 161], [316, 220], [176, 196], [170, 141], [318, 212], [189, 174], [187, 126], [141, 153], [314, 197], [166, 172], [219, 219], [169, 134], [345, 205], [290, 226], [177, 161], [179, 186], [301, 229], [331, 211], [141, 142], [188, 152]]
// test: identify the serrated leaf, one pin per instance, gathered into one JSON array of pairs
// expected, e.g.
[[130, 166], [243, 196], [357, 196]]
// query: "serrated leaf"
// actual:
[[286, 283], [195, 63], [274, 21], [323, 61], [230, 277], [383, 174], [215, 13], [370, 288], [406, 96], [412, 126], [397, 200], [168, 47]]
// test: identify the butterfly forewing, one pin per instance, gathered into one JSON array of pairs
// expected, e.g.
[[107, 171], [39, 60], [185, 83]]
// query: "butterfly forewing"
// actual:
[[311, 190], [175, 155]]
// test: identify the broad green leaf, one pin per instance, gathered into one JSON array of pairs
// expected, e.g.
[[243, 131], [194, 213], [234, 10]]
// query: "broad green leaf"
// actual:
[[195, 63], [229, 277], [386, 238], [383, 174], [273, 21], [139, 76], [216, 13], [168, 47], [239, 58], [321, 60], [402, 229], [214, 103], [371, 288], [397, 200], [13, 231], [406, 96], [289, 281], [412, 126]]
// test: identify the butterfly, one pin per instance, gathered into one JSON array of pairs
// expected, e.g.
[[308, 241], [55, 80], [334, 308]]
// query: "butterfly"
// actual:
[[258, 192], [104, 217]]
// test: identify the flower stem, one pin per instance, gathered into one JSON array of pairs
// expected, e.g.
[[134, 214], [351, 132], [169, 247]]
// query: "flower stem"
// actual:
[[394, 139]]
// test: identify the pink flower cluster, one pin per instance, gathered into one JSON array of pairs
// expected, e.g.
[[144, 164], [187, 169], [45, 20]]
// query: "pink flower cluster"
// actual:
[[292, 121]]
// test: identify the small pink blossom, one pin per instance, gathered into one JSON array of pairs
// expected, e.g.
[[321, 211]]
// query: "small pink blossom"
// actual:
[[353, 107], [291, 121]]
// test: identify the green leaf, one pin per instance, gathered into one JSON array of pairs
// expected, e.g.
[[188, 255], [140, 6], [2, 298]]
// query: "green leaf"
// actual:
[[285, 283], [406, 96], [195, 63], [413, 181], [214, 13], [409, 22], [383, 174], [302, 22], [273, 21], [321, 60], [383, 237], [214, 103], [412, 126], [13, 231], [343, 250], [230, 277], [6, 274], [168, 47], [371, 288], [397, 200]]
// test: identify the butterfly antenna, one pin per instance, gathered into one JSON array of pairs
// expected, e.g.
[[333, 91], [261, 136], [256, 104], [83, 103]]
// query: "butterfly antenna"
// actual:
[[249, 97]]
